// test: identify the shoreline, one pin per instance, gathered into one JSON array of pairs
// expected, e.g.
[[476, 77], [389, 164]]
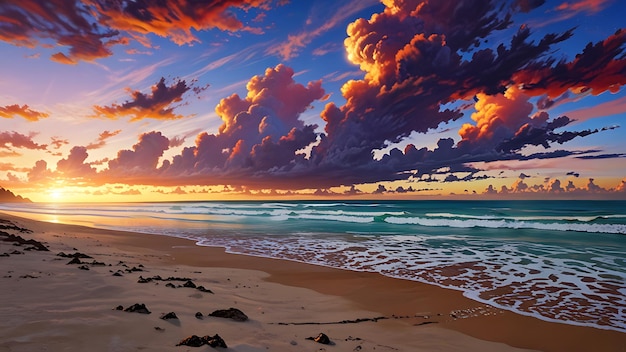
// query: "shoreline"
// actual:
[[410, 307]]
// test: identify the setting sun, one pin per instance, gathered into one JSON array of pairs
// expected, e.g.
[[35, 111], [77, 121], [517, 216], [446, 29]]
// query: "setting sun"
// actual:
[[55, 194]]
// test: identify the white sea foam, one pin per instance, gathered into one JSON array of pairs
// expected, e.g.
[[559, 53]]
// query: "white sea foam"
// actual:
[[480, 269], [495, 224], [525, 218]]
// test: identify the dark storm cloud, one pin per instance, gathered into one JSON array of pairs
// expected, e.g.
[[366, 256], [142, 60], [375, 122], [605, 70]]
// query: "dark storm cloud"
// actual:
[[602, 156], [159, 104]]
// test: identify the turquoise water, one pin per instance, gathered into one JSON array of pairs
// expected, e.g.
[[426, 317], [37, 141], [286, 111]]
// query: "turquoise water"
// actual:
[[556, 260]]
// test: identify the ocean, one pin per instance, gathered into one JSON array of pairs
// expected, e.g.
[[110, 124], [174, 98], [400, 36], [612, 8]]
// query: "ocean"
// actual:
[[559, 261]]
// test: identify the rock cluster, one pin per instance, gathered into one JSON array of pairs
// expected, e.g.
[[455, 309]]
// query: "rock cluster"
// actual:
[[196, 341]]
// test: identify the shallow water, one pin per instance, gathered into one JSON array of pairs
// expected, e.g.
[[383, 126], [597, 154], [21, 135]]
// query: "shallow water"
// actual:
[[556, 260]]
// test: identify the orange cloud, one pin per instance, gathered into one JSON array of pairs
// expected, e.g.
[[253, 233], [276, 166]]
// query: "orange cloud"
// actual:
[[589, 6], [67, 23], [102, 138], [91, 27], [173, 19], [18, 140], [10, 111]]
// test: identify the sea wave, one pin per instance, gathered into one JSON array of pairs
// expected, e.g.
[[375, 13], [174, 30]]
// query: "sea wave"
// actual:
[[524, 272], [508, 224], [527, 218]]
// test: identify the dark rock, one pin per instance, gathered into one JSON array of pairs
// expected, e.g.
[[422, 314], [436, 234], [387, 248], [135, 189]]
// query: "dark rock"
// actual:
[[158, 328], [173, 278], [193, 341], [117, 273], [143, 280], [196, 341], [202, 289], [198, 315], [168, 316], [425, 323], [74, 261], [190, 284], [215, 341], [95, 263], [28, 276], [74, 255], [83, 267], [138, 308], [8, 225], [169, 284], [119, 308], [231, 313], [321, 338], [19, 240], [17, 252], [4, 255]]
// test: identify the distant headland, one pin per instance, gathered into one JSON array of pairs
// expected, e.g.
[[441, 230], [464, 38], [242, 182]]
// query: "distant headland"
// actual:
[[7, 196]]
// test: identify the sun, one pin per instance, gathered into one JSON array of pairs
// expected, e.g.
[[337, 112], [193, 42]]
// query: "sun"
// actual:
[[55, 194]]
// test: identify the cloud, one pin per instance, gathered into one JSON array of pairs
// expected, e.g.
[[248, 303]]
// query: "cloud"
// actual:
[[260, 134], [40, 173], [141, 161], [598, 68], [9, 140], [74, 166], [175, 19], [603, 156], [130, 192], [159, 104], [410, 75], [90, 28], [418, 60], [527, 5], [571, 8], [66, 23], [10, 111], [102, 138], [58, 142], [554, 186], [295, 42], [609, 108]]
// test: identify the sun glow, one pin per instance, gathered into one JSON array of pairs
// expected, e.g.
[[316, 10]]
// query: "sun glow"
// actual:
[[55, 194]]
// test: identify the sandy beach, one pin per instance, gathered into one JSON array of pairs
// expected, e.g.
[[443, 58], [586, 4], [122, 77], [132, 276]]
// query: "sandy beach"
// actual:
[[49, 304]]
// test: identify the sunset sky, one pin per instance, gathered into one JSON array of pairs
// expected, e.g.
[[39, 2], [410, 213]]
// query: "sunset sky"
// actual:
[[241, 99]]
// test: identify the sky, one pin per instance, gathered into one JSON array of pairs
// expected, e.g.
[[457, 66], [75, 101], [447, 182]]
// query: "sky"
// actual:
[[139, 100]]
